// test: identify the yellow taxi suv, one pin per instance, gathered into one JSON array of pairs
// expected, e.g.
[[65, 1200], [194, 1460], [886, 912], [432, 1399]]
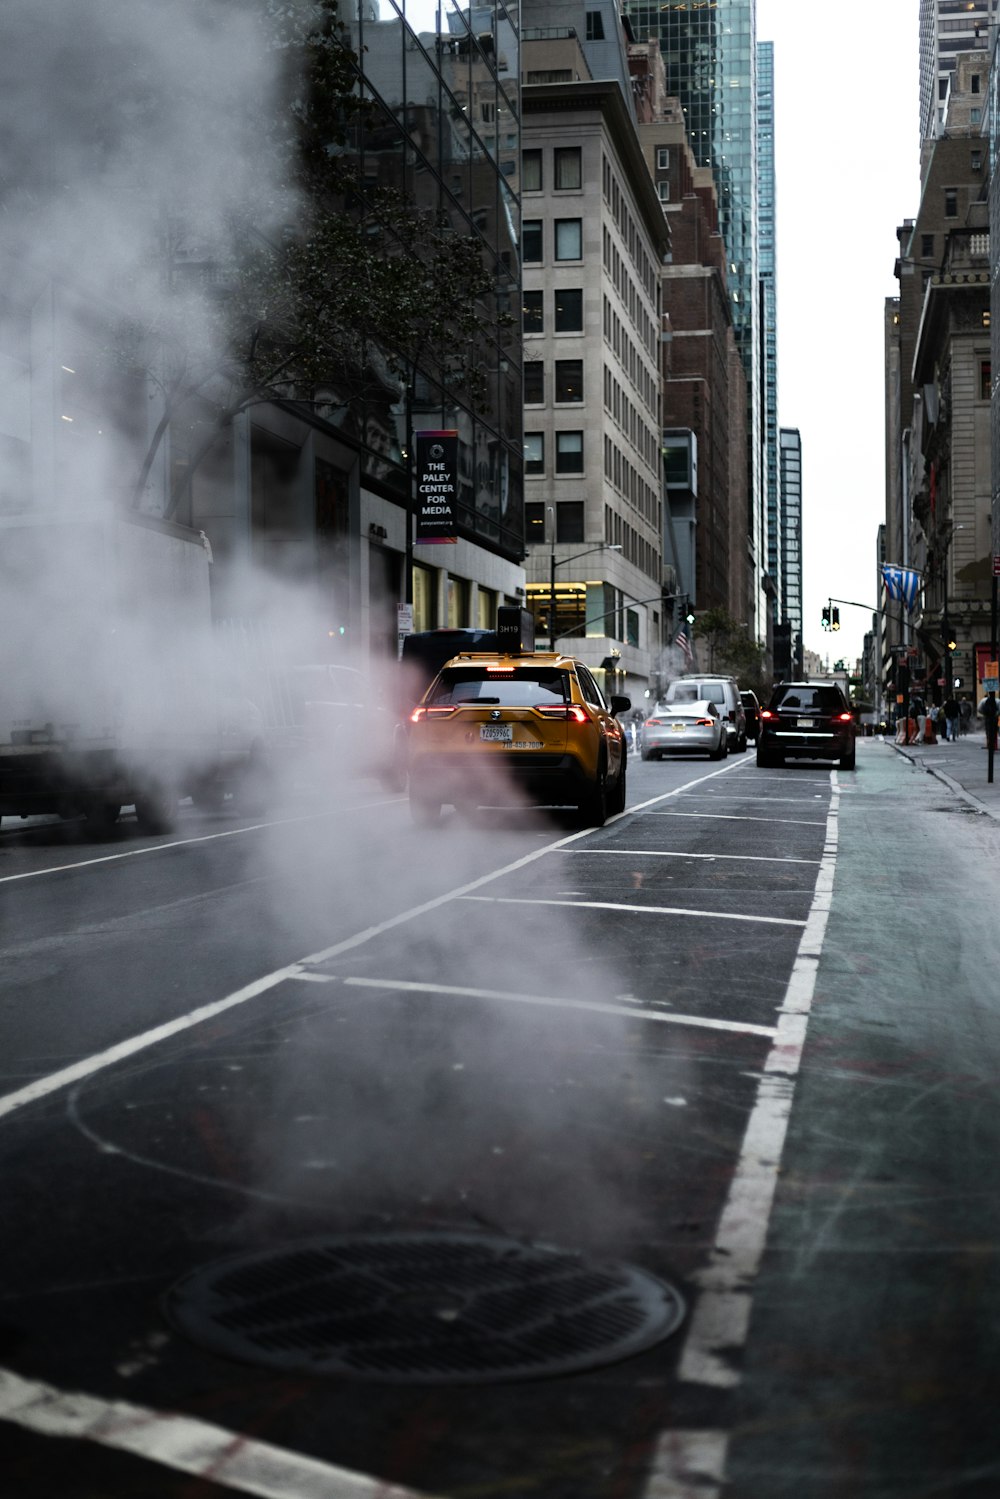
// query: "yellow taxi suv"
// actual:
[[534, 724]]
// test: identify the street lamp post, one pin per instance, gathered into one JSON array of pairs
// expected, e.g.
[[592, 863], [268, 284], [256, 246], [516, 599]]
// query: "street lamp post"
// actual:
[[553, 564]]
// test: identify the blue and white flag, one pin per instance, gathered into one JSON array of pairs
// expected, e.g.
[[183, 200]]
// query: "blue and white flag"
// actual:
[[901, 583]]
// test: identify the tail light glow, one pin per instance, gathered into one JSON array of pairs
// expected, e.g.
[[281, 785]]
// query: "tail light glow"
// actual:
[[441, 710], [568, 712]]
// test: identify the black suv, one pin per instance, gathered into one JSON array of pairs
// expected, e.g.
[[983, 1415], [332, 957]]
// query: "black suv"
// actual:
[[808, 721]]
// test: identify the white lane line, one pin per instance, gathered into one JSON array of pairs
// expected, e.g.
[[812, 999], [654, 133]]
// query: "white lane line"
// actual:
[[661, 853], [88, 1066], [795, 822], [719, 1324], [718, 1327], [556, 1002], [159, 848], [610, 905], [185, 1444], [688, 1465]]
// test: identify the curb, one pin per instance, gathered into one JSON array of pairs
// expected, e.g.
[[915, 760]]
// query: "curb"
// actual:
[[947, 780]]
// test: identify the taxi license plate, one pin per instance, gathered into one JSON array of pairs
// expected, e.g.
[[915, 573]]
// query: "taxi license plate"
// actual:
[[501, 732]]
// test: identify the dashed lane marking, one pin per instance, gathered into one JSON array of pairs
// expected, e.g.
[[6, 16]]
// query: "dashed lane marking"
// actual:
[[610, 905], [555, 1001], [200, 1448], [661, 853]]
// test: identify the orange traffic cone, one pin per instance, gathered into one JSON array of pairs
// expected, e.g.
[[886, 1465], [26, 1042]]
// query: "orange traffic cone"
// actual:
[[929, 735]]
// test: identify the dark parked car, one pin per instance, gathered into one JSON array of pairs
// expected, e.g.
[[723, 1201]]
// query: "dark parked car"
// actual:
[[751, 707], [809, 721]]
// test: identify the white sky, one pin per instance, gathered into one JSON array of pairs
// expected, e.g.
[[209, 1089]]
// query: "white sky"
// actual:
[[846, 124]]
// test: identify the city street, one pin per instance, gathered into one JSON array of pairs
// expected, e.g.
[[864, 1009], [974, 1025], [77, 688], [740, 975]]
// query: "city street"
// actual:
[[333, 1030]]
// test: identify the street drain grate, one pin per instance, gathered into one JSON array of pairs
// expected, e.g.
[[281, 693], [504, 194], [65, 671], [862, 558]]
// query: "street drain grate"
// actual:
[[423, 1308]]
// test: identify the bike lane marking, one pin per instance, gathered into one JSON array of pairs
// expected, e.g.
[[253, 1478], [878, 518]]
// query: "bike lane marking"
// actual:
[[687, 1464]]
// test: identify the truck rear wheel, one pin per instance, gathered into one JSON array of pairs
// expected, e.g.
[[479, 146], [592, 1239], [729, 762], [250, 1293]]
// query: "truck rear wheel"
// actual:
[[156, 809], [101, 816]]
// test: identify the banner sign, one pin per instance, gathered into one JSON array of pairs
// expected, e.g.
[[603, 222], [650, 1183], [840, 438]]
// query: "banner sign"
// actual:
[[437, 486]]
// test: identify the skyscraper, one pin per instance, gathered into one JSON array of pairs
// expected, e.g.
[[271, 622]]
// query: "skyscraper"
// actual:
[[769, 318], [947, 28], [710, 53]]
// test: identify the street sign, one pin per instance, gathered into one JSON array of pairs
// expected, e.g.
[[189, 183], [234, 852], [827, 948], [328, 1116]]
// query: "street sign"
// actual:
[[991, 677]]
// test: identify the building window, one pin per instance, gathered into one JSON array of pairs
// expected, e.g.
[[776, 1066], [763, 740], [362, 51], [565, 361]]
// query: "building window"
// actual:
[[531, 171], [531, 241], [951, 202], [486, 608], [534, 525], [534, 452], [569, 310], [631, 627], [458, 602], [424, 594], [568, 167], [569, 239], [976, 161], [569, 452], [534, 382], [974, 83], [595, 26], [569, 379], [569, 520], [927, 246], [533, 320], [985, 379], [663, 158], [663, 190], [975, 115]]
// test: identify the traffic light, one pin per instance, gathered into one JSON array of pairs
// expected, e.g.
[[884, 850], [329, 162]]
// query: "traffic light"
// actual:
[[826, 616], [834, 618], [689, 617]]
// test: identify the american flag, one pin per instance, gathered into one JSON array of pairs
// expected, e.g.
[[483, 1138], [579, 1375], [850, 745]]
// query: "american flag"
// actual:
[[683, 642]]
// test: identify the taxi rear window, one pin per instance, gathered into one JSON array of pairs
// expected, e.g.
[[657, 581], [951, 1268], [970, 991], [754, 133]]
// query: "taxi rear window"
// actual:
[[518, 688]]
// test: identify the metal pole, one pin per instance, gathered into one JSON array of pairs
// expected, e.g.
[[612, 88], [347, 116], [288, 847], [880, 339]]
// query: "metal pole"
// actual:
[[552, 598], [410, 498], [991, 702]]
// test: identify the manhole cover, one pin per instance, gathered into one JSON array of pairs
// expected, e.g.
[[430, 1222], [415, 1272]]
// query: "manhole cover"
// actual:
[[423, 1308]]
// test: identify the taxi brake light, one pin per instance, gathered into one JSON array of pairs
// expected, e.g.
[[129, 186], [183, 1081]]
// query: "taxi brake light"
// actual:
[[441, 710], [571, 712]]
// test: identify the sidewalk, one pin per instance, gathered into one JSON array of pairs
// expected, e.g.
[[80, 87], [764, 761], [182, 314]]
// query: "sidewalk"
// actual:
[[962, 765]]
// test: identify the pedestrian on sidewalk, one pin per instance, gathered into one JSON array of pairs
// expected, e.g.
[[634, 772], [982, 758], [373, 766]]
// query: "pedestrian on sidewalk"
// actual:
[[951, 717], [931, 726], [964, 713], [918, 715]]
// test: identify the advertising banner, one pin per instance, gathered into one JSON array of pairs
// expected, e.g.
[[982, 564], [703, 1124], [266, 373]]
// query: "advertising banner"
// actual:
[[437, 486]]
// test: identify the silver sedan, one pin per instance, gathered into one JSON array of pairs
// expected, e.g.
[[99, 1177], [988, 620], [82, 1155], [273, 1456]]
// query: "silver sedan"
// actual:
[[684, 729]]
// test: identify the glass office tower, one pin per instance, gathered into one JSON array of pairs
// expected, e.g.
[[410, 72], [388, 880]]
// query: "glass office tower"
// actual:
[[710, 55], [769, 316]]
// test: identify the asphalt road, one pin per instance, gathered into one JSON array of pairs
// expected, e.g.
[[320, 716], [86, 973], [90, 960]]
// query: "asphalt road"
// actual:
[[703, 1045]]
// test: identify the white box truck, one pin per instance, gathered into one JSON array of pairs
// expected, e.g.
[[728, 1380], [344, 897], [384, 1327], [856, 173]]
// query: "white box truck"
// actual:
[[108, 695]]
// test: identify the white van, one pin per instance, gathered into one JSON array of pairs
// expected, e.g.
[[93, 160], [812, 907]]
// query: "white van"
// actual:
[[697, 687]]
